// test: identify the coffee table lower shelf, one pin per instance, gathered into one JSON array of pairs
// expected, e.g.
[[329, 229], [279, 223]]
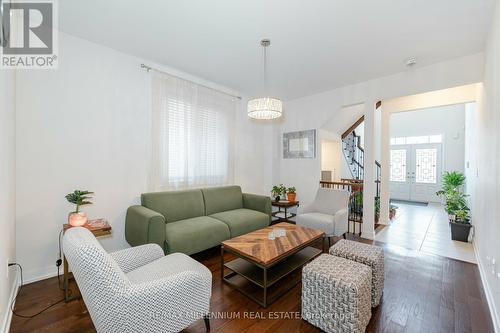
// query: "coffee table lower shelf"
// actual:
[[253, 279]]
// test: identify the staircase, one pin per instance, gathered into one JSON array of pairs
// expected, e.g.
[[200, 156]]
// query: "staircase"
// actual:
[[354, 155]]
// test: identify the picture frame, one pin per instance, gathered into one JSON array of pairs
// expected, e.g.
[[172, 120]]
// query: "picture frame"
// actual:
[[300, 144]]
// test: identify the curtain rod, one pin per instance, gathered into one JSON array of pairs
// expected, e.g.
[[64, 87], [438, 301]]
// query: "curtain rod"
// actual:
[[148, 68]]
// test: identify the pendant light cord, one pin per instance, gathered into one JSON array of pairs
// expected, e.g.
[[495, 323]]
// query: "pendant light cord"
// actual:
[[265, 70]]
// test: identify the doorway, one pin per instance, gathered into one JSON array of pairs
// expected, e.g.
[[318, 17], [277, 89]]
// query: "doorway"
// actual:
[[415, 171], [421, 138]]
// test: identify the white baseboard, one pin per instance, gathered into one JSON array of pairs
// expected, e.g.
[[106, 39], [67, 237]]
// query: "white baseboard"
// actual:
[[487, 291], [35, 275], [7, 317]]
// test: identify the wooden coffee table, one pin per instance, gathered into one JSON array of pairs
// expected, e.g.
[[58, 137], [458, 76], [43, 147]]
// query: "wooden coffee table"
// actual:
[[262, 262]]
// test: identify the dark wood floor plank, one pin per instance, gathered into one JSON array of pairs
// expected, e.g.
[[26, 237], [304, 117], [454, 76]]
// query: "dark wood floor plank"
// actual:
[[423, 293]]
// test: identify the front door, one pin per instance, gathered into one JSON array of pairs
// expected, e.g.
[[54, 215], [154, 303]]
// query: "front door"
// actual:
[[400, 172], [416, 172]]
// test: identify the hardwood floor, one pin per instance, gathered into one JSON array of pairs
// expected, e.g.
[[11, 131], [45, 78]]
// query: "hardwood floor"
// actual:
[[423, 293]]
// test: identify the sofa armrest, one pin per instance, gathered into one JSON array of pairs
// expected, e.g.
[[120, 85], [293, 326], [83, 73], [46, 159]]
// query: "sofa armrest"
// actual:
[[257, 202], [144, 226], [135, 257]]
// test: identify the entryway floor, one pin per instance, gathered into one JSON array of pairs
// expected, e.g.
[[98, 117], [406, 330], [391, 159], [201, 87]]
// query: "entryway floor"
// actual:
[[426, 229]]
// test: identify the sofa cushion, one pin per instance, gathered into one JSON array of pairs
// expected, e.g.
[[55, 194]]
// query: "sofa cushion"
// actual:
[[242, 221], [319, 221], [175, 205], [195, 234], [221, 199]]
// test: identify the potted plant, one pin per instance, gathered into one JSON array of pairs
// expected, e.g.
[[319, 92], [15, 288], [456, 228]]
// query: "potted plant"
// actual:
[[356, 203], [452, 191], [291, 195], [455, 200], [278, 191], [78, 198], [460, 226], [392, 210], [453, 180], [456, 205], [377, 209]]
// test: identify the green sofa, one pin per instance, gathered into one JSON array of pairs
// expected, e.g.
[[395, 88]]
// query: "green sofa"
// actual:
[[191, 221]]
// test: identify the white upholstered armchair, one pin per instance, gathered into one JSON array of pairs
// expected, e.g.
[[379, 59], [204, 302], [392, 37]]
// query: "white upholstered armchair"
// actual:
[[137, 289], [328, 212]]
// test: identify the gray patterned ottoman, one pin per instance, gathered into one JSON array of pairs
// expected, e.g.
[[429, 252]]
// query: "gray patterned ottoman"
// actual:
[[336, 294], [370, 255]]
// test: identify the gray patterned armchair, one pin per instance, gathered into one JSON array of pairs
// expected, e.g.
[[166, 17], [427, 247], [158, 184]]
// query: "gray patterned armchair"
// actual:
[[137, 289]]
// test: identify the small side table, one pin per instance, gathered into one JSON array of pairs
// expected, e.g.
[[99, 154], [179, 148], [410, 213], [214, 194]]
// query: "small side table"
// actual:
[[283, 207], [99, 230]]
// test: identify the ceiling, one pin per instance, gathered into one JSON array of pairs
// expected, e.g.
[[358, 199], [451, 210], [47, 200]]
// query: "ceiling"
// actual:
[[317, 45]]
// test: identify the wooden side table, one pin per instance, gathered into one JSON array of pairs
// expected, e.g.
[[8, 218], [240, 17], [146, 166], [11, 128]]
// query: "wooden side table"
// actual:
[[283, 207], [99, 230]]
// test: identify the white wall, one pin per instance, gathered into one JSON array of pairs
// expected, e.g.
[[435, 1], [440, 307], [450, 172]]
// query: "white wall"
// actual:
[[360, 131], [446, 120], [329, 157], [470, 161], [336, 125], [7, 193], [314, 111], [486, 208], [87, 126], [330, 150]]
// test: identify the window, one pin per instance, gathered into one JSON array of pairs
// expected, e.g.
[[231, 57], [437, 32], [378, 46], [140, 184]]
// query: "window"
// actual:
[[412, 140], [191, 134], [426, 170], [398, 165]]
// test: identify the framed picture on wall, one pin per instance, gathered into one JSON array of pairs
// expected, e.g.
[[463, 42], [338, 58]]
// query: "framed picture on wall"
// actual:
[[301, 144]]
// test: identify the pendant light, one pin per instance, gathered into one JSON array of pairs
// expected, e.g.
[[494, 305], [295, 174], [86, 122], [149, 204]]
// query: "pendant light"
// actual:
[[265, 107]]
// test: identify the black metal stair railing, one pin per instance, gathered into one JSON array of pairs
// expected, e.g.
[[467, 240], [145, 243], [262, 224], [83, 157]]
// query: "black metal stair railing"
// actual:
[[354, 155], [355, 205]]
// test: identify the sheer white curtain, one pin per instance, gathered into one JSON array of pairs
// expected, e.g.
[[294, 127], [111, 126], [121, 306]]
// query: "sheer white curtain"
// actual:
[[191, 134]]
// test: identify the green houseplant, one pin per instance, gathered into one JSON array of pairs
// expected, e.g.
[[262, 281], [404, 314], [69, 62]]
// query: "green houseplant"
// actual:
[[78, 198], [392, 210], [462, 216], [356, 202], [456, 205], [452, 192], [453, 180], [291, 194], [278, 191], [455, 200]]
